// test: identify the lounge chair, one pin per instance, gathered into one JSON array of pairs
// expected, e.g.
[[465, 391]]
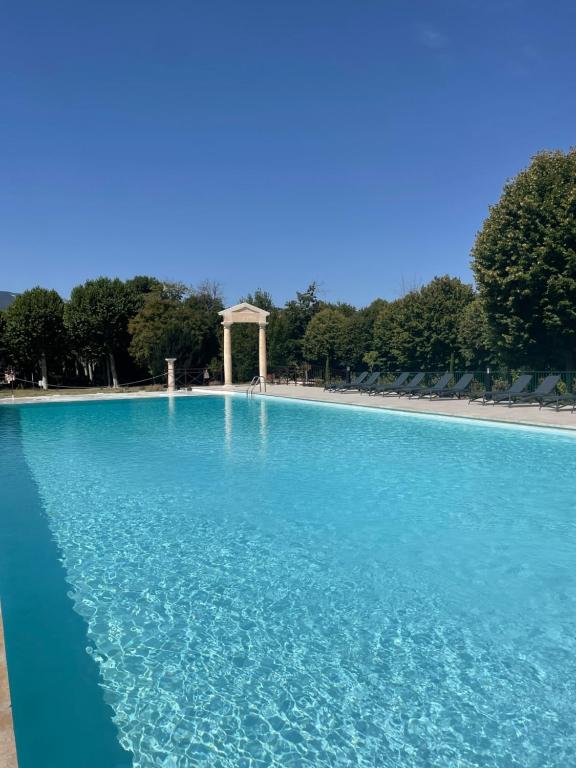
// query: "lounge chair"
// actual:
[[402, 389], [347, 384], [440, 385], [366, 386], [542, 390], [392, 386], [517, 388], [456, 390], [559, 401]]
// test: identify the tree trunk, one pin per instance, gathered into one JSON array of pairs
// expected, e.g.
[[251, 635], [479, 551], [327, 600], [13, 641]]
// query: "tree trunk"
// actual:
[[44, 372], [113, 371]]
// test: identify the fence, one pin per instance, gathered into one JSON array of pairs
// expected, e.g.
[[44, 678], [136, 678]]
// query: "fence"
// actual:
[[315, 375], [194, 377], [14, 379]]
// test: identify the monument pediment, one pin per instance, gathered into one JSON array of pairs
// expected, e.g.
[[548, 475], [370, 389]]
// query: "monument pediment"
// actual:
[[244, 313]]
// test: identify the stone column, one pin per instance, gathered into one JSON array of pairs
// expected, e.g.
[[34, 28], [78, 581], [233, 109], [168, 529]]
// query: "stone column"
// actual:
[[171, 377], [227, 354], [44, 369], [262, 350]]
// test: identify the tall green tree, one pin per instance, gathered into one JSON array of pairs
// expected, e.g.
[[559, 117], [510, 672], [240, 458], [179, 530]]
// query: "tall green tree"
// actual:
[[34, 330], [280, 344], [355, 340], [333, 337], [477, 348], [167, 326], [97, 318], [298, 313], [370, 314], [205, 302], [367, 317], [143, 285], [3, 346], [524, 260], [396, 330], [150, 329], [420, 330], [371, 359]]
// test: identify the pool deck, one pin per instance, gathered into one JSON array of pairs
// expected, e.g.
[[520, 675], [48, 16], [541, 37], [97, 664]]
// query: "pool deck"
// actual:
[[528, 415], [7, 744]]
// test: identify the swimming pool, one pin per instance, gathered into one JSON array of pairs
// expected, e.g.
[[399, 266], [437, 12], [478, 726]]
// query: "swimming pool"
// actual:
[[271, 583]]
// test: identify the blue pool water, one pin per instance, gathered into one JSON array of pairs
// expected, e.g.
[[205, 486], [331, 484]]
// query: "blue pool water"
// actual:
[[270, 583]]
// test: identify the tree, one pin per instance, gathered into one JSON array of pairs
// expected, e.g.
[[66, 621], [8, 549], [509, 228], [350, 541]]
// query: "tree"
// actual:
[[280, 344], [474, 337], [167, 326], [367, 317], [205, 302], [149, 329], [97, 318], [524, 261], [3, 349], [329, 338], [371, 359], [396, 332], [299, 312], [144, 285], [420, 330], [371, 313], [348, 310], [355, 339], [34, 329]]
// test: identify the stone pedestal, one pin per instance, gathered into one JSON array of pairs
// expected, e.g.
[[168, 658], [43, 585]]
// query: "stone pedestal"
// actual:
[[171, 376]]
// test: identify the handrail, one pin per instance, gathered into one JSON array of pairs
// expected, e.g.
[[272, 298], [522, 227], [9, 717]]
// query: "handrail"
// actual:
[[256, 380]]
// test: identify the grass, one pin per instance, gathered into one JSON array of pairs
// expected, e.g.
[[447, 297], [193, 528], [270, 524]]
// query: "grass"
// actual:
[[6, 393]]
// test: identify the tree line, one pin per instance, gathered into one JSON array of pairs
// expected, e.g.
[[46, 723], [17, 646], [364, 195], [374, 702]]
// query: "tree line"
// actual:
[[522, 312]]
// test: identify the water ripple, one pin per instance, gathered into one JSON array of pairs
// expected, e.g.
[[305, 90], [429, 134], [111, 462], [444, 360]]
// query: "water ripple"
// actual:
[[334, 589]]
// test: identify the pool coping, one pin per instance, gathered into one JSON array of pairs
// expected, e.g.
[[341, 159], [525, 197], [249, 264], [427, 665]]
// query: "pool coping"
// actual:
[[8, 757]]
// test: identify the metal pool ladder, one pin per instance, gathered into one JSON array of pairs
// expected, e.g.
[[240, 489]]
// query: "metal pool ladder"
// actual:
[[256, 381]]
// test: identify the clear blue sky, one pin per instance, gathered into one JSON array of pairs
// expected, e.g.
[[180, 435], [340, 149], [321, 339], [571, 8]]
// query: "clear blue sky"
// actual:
[[271, 142]]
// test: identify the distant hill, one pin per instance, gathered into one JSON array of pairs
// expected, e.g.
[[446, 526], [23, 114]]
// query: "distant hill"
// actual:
[[6, 298]]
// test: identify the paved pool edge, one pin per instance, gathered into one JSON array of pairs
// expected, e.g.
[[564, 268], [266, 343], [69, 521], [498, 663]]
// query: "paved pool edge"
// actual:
[[7, 741]]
